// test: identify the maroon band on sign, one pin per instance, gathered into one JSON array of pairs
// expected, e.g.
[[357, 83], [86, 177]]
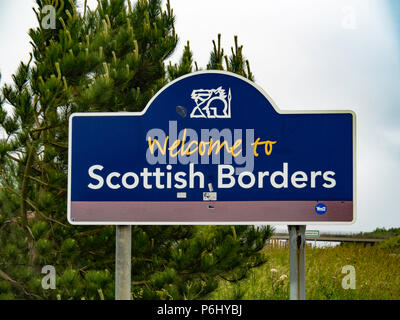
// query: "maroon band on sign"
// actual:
[[210, 211]]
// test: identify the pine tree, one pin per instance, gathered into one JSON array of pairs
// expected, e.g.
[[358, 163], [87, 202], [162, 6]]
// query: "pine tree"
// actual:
[[109, 59]]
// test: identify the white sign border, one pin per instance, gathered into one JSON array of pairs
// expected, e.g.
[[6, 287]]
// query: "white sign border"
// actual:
[[141, 113]]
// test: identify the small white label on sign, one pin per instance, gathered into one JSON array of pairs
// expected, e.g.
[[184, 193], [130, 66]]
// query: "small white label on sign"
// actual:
[[209, 196], [181, 195]]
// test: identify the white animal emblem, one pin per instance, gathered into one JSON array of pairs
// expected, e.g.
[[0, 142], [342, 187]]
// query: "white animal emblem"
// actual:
[[213, 103]]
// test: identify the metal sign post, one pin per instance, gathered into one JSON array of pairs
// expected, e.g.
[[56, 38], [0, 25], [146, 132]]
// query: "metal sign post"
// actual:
[[123, 263], [297, 242]]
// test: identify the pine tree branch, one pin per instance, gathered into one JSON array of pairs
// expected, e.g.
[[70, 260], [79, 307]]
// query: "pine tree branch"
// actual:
[[20, 161], [17, 285], [89, 233], [234, 280], [24, 213], [35, 101], [60, 145], [142, 282], [28, 201], [25, 185], [13, 158], [46, 184], [46, 128]]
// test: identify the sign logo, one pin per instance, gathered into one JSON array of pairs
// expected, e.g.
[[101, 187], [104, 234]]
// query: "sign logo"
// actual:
[[320, 208], [212, 103]]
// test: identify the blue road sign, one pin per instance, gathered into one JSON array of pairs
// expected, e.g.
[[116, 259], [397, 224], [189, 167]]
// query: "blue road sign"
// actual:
[[211, 147]]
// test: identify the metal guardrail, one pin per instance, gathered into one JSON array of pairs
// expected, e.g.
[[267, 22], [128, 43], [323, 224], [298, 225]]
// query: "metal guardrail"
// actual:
[[330, 238]]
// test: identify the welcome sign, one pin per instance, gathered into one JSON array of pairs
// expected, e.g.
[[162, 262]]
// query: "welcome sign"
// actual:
[[212, 148]]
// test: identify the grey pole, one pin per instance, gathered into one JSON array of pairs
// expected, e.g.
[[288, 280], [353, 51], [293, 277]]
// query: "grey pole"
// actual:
[[123, 263], [297, 242]]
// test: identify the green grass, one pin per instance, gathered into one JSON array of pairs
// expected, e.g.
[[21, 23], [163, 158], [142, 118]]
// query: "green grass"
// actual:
[[377, 275], [391, 243]]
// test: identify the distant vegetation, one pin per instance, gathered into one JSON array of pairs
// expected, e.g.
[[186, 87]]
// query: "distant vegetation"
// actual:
[[389, 232], [391, 243], [378, 233]]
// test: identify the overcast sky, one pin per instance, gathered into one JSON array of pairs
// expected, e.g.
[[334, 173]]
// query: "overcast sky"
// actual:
[[306, 54]]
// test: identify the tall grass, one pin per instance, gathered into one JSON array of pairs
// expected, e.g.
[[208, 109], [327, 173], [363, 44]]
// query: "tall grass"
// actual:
[[377, 275]]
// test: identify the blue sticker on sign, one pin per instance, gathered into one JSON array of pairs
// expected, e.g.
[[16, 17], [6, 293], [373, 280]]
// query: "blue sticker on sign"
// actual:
[[320, 208]]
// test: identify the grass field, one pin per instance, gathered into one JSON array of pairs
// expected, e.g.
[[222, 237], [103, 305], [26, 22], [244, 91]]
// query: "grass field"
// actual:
[[377, 275]]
